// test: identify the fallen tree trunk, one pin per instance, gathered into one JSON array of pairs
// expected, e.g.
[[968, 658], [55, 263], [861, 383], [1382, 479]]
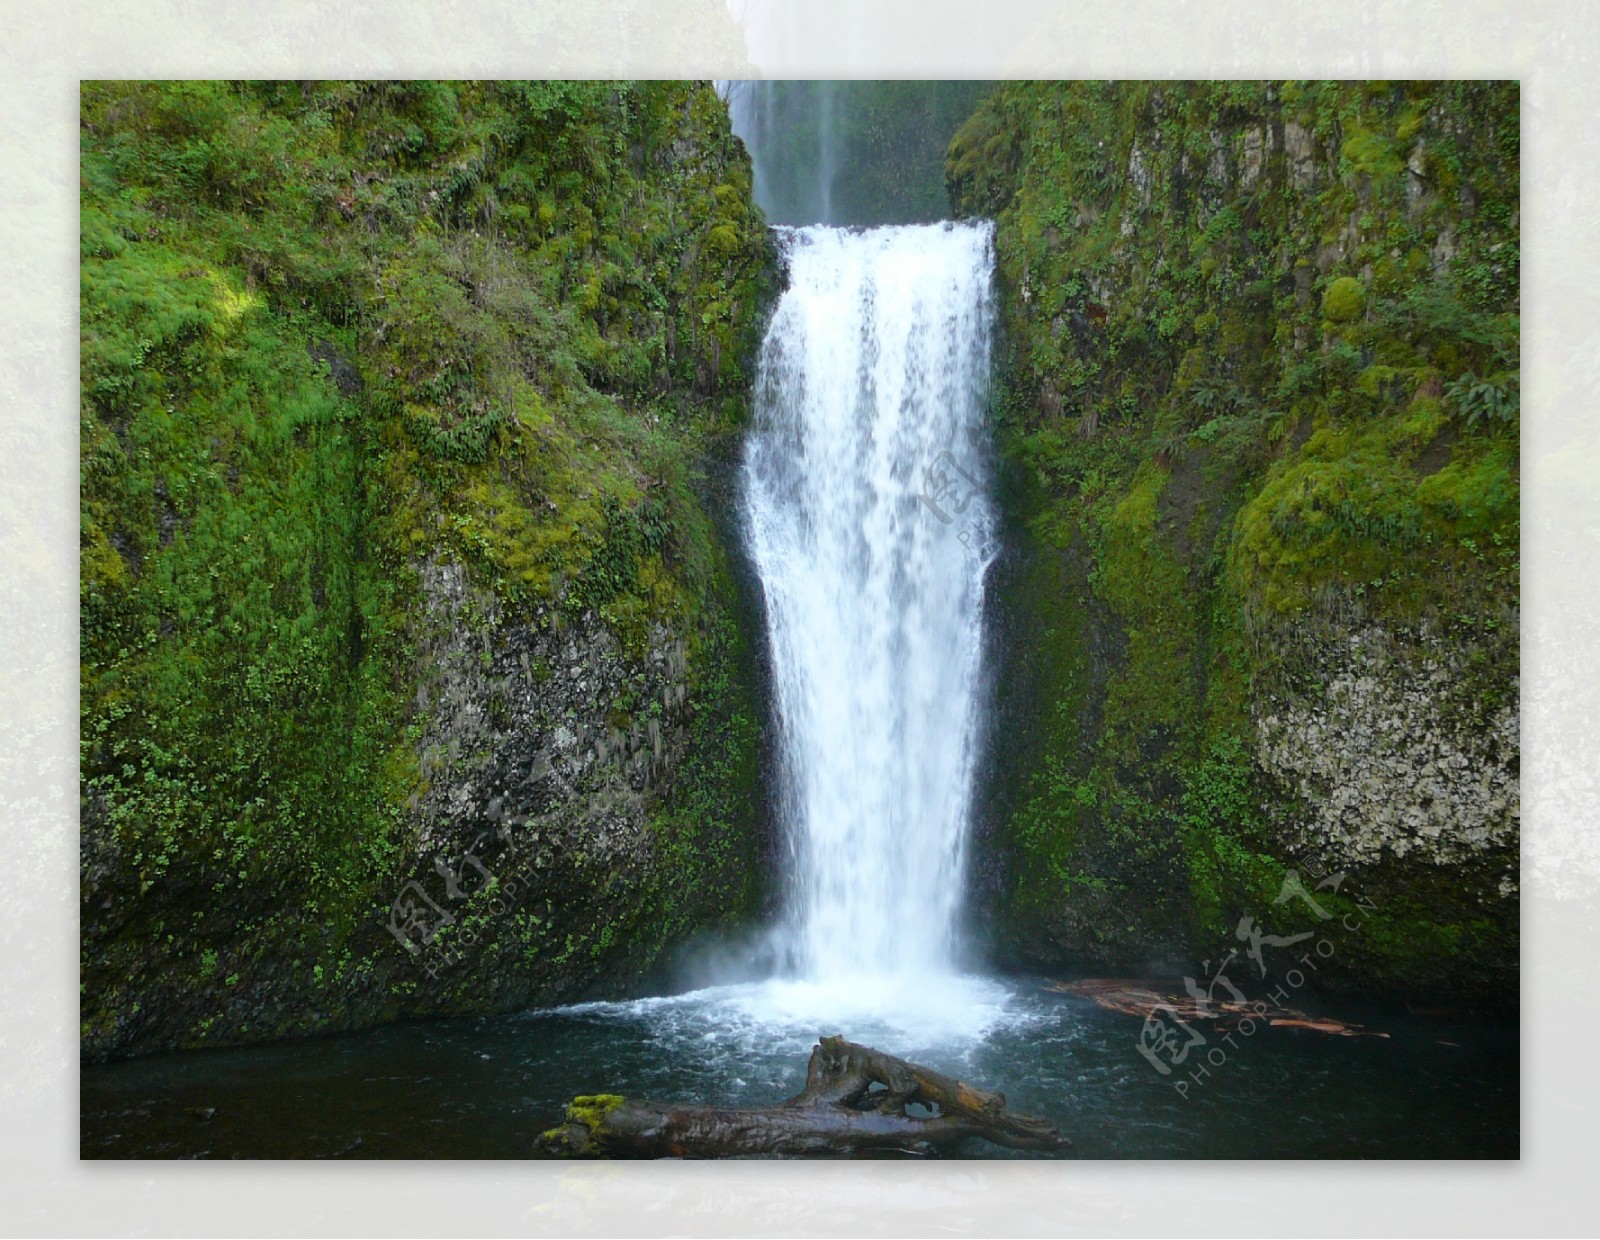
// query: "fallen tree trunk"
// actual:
[[855, 1099], [1145, 998]]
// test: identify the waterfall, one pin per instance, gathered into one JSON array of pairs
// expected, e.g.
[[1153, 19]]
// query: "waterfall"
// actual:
[[827, 160], [866, 498], [790, 131]]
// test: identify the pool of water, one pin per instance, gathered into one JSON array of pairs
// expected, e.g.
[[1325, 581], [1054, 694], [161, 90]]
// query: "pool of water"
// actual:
[[485, 1087]]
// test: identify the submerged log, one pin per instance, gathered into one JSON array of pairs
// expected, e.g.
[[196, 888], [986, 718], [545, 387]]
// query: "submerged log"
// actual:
[[1143, 998], [855, 1099]]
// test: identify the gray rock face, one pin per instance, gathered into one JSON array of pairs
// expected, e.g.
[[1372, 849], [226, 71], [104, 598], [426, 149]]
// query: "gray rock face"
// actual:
[[1393, 759], [1252, 159], [1301, 149], [1139, 187], [541, 856], [541, 729]]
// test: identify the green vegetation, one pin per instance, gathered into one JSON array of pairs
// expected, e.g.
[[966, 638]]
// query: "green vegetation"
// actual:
[[589, 1112], [331, 332], [1343, 299], [1260, 391]]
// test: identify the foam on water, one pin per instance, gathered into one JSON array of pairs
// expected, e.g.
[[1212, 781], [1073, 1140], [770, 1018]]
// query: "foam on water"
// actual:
[[778, 1019]]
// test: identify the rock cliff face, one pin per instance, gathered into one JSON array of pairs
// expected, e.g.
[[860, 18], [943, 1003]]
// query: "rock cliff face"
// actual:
[[415, 668], [1257, 618], [1390, 760]]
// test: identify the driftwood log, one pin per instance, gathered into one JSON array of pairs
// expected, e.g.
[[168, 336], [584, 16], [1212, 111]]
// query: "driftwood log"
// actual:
[[1143, 997], [855, 1099]]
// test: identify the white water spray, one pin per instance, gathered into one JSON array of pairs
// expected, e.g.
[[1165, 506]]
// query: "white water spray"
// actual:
[[866, 496]]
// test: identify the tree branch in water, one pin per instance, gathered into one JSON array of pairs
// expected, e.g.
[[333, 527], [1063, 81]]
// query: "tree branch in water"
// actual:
[[855, 1099]]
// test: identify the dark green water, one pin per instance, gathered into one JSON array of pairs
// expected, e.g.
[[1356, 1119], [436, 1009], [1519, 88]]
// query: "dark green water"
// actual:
[[484, 1088]]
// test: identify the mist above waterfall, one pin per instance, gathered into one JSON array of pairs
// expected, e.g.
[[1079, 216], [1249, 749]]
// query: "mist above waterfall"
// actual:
[[850, 152]]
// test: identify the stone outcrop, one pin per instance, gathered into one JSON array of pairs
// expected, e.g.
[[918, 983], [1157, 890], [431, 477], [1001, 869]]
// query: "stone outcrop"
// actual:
[[1256, 618], [1389, 761]]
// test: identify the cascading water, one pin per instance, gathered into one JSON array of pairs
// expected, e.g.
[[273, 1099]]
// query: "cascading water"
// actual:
[[789, 128], [867, 510], [869, 522], [827, 159]]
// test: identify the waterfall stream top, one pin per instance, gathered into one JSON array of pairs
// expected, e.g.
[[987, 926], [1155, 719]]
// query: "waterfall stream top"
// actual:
[[868, 512]]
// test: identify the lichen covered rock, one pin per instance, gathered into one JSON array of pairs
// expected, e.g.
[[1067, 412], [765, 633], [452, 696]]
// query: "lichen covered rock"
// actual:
[[1389, 762]]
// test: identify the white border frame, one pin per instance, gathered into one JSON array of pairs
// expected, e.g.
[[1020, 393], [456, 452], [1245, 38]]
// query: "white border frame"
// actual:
[[1551, 45]]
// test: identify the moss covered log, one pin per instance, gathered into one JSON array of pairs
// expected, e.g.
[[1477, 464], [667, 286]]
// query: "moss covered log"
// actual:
[[413, 671], [856, 1101], [1258, 413]]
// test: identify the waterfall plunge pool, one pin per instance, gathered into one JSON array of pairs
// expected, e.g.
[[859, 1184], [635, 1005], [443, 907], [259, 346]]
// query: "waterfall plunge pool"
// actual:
[[486, 1087]]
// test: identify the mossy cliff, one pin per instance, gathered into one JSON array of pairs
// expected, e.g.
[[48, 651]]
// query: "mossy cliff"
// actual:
[[415, 677], [1258, 420]]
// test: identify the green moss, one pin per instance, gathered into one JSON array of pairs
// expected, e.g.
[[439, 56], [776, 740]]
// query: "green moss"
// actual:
[[1140, 579], [584, 1133], [1372, 154], [1343, 300]]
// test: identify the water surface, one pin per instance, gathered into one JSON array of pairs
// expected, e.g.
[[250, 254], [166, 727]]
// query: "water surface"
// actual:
[[485, 1087]]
